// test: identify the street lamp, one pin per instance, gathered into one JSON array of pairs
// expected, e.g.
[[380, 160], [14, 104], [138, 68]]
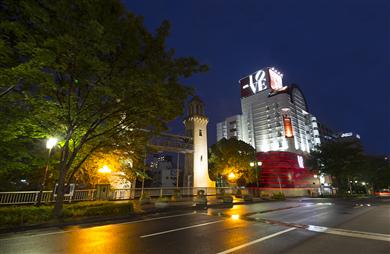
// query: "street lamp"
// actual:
[[231, 176], [257, 164], [104, 170], [50, 143]]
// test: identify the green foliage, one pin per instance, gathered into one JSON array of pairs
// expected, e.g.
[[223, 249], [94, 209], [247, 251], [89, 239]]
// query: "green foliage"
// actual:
[[278, 196], [27, 215], [342, 160], [91, 74], [24, 215], [346, 163], [232, 155]]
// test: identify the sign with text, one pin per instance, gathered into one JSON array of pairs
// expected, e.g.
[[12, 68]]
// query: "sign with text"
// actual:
[[267, 78]]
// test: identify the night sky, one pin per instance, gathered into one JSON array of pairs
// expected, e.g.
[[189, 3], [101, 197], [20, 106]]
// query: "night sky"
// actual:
[[337, 51]]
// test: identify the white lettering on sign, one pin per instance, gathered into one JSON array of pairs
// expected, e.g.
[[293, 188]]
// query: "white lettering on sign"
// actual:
[[300, 161], [259, 84]]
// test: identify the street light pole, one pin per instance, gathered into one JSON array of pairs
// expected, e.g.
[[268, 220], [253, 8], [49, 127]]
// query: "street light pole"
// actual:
[[51, 142], [256, 165]]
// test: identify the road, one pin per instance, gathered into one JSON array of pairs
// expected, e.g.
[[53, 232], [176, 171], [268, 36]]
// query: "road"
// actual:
[[292, 226]]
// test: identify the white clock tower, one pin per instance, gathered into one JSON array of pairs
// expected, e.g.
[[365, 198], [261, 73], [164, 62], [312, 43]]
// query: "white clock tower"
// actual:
[[196, 172]]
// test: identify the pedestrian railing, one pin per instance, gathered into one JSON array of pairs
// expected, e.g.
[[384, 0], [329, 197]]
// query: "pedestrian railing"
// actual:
[[31, 197]]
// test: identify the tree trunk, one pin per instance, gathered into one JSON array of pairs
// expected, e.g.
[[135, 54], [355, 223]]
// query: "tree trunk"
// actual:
[[60, 193]]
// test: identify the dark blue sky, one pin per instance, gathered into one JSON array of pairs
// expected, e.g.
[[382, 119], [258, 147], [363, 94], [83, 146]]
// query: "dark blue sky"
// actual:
[[337, 51]]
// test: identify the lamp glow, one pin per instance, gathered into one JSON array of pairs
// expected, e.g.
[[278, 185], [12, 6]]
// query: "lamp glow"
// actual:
[[104, 170], [231, 176], [51, 142]]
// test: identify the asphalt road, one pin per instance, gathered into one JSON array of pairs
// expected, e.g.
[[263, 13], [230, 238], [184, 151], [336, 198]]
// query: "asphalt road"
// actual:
[[293, 226]]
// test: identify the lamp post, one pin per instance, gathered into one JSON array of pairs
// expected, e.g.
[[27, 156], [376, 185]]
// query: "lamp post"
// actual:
[[257, 164], [50, 143], [104, 170]]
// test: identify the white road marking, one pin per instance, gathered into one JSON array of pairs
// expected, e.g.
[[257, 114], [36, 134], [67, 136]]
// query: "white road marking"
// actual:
[[350, 233], [18, 236], [179, 229], [256, 241], [159, 218]]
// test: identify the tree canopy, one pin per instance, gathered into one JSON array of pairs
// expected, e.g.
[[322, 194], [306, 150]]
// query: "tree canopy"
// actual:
[[232, 156], [349, 166], [89, 73]]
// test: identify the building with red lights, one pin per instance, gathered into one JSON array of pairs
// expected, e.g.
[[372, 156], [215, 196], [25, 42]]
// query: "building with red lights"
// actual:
[[276, 122]]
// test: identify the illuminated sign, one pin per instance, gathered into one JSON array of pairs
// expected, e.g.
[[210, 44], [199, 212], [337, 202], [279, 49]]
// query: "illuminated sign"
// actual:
[[275, 80], [288, 131], [300, 161], [348, 134], [262, 80]]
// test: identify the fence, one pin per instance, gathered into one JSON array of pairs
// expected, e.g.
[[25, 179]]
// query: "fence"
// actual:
[[31, 197]]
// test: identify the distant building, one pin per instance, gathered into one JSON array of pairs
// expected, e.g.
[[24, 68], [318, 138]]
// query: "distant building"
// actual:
[[232, 127], [326, 133], [162, 171]]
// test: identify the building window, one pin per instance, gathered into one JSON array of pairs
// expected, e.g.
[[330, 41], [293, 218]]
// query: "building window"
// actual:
[[200, 132], [201, 157]]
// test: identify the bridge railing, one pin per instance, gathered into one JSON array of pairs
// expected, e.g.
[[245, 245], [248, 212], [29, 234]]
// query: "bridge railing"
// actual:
[[31, 197]]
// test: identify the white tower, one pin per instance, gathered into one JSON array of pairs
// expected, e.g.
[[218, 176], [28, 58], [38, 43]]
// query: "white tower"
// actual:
[[196, 172]]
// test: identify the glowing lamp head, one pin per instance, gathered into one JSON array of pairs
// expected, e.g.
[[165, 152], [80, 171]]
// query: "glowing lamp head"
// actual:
[[235, 216], [252, 164], [231, 176], [315, 176], [259, 163], [104, 170], [51, 142]]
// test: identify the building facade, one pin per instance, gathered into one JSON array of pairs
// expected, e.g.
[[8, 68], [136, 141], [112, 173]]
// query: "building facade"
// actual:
[[163, 173], [275, 120], [196, 172]]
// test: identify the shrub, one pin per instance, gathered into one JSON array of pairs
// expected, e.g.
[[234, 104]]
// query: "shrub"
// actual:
[[265, 195], [22, 215], [278, 196], [27, 215]]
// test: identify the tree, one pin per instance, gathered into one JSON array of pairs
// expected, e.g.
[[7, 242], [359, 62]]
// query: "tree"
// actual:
[[343, 160], [91, 74], [377, 172], [232, 156]]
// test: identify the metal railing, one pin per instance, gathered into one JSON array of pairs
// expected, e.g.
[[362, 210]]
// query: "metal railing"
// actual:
[[30, 197]]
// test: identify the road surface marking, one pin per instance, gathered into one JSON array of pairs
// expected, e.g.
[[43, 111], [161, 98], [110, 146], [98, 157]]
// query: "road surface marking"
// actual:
[[18, 236], [256, 241], [159, 218], [179, 229], [350, 233]]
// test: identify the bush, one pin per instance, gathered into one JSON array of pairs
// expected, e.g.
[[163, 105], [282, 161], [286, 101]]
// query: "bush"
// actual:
[[278, 196], [98, 208], [265, 195], [28, 215], [21, 215]]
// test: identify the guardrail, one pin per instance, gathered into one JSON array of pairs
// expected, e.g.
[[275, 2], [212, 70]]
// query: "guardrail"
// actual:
[[31, 197]]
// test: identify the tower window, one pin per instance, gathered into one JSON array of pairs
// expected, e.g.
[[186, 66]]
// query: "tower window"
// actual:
[[201, 157], [200, 132]]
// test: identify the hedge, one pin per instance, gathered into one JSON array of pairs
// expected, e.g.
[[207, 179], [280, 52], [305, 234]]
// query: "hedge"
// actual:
[[28, 215]]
